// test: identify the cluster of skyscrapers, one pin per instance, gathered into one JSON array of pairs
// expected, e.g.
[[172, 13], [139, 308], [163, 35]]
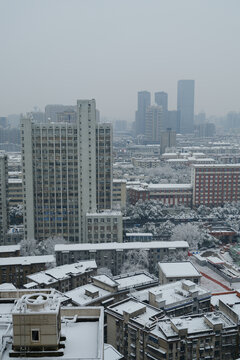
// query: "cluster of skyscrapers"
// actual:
[[152, 120]]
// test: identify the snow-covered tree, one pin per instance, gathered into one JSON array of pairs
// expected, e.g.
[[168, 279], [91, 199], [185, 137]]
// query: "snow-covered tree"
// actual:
[[191, 233], [29, 247], [135, 260], [104, 271], [46, 247]]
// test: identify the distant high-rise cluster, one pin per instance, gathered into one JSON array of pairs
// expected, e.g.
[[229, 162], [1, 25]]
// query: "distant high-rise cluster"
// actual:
[[152, 120], [3, 197]]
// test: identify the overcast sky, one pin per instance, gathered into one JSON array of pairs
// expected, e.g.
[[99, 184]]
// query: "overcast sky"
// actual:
[[58, 51]]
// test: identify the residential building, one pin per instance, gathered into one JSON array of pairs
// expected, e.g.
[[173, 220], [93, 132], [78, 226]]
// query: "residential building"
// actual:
[[146, 162], [119, 193], [59, 175], [215, 184], [15, 269], [15, 192], [141, 331], [105, 226], [176, 298], [185, 106], [113, 255], [144, 100], [4, 220], [167, 139], [63, 278], [171, 194], [9, 251], [153, 124], [130, 237], [174, 271], [104, 156]]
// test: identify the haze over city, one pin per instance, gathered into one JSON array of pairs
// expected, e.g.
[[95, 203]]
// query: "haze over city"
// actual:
[[59, 51]]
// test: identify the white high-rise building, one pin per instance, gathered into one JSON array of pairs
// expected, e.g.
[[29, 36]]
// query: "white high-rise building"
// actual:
[[154, 124], [59, 175]]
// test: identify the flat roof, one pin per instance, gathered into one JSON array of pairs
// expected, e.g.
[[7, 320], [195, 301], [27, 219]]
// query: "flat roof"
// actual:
[[27, 260], [122, 246], [216, 165], [9, 248], [179, 269]]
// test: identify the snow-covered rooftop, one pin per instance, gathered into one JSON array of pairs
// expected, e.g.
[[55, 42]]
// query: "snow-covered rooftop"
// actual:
[[134, 280], [80, 297], [179, 269], [9, 248], [122, 246], [27, 260]]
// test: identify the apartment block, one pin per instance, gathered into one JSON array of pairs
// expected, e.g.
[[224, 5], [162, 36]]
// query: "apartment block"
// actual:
[[104, 156], [113, 255], [154, 124], [63, 278], [15, 269], [171, 194], [4, 220], [215, 184], [141, 331], [173, 271], [15, 192], [105, 226], [119, 194]]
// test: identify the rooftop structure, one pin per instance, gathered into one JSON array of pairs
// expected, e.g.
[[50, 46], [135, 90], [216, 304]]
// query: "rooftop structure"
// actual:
[[173, 271]]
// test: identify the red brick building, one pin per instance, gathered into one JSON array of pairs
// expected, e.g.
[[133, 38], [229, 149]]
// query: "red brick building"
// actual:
[[214, 185]]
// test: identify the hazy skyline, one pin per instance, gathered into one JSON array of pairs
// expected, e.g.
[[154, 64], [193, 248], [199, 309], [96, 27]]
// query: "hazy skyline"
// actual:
[[58, 51]]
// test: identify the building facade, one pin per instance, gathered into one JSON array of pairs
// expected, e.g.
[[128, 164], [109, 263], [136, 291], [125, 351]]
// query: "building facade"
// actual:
[[113, 255], [185, 105], [144, 100], [167, 140], [4, 220], [153, 124], [119, 193], [215, 184], [105, 226], [161, 99]]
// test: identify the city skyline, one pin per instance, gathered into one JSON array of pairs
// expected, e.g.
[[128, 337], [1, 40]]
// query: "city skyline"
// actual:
[[47, 60]]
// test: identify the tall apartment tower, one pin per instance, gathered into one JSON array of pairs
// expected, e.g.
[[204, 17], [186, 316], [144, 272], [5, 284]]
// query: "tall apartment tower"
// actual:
[[185, 106], [161, 99], [3, 197], [104, 176], [59, 175], [144, 100], [154, 124]]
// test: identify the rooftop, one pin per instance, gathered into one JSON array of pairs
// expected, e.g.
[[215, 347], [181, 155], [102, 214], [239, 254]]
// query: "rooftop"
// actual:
[[122, 246], [27, 260], [179, 269]]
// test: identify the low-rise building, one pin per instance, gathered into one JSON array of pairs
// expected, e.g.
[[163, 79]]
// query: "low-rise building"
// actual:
[[146, 163], [113, 255], [139, 237], [64, 278], [171, 194], [176, 298], [15, 269], [140, 331], [104, 227], [174, 271], [9, 251]]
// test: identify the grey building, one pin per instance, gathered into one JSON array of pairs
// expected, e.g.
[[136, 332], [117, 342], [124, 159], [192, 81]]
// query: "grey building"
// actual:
[[144, 100], [153, 124], [185, 105], [168, 139], [161, 99], [3, 197]]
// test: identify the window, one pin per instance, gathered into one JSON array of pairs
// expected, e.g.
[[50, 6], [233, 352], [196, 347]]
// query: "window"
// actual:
[[35, 335]]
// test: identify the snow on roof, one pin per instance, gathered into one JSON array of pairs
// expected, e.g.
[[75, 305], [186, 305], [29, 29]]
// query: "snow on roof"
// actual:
[[215, 260], [179, 269], [105, 279], [110, 353], [105, 213], [139, 234], [169, 186], [171, 293], [122, 246], [15, 181], [9, 248], [27, 260], [30, 285], [225, 297], [217, 165], [7, 286], [119, 181], [79, 297], [62, 272], [133, 281]]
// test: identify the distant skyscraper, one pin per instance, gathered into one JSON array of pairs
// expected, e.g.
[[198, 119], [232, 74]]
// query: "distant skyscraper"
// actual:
[[161, 99], [144, 100], [51, 111], [168, 139], [154, 124], [3, 197], [173, 120], [185, 106]]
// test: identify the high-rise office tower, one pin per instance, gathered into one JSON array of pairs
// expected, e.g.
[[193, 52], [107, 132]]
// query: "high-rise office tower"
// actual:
[[154, 124], [3, 197], [161, 99], [104, 135], [168, 139], [173, 120], [185, 106], [59, 175], [144, 100]]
